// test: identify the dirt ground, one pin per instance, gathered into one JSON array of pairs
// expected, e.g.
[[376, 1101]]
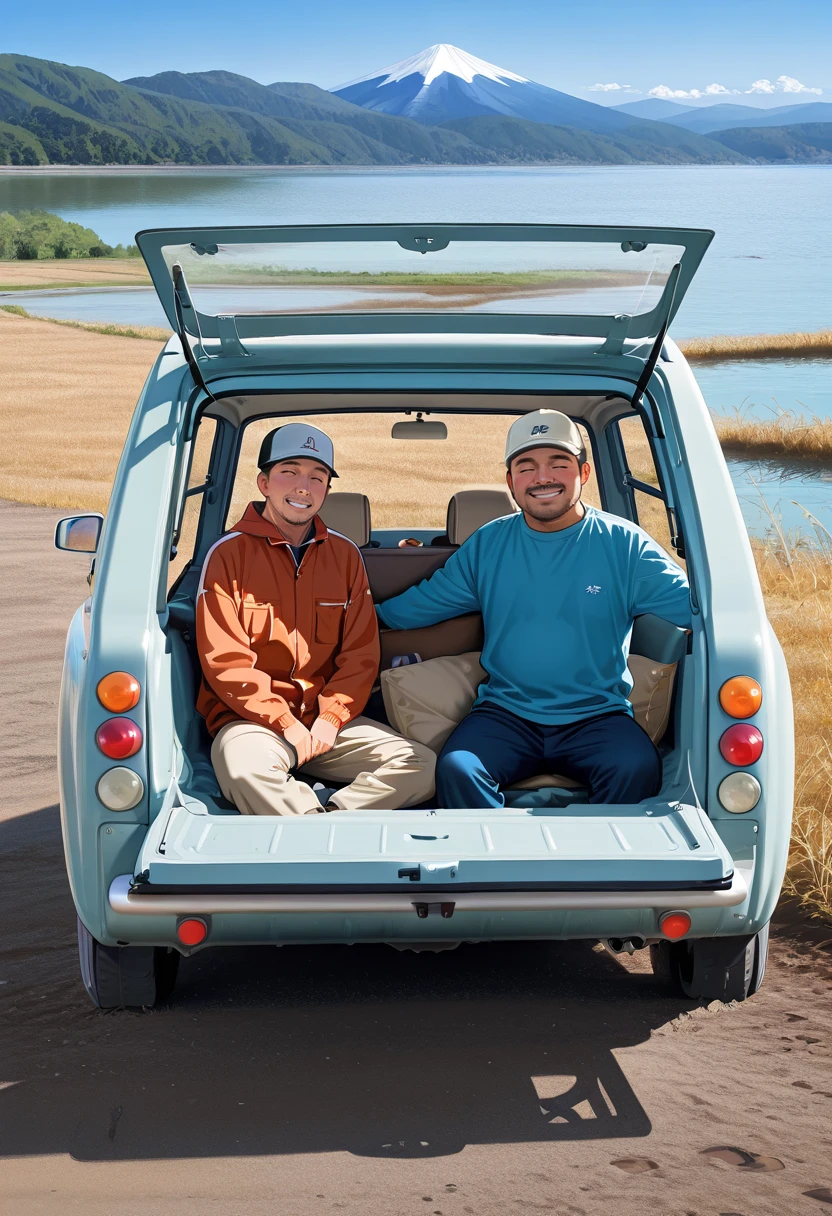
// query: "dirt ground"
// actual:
[[526, 1077]]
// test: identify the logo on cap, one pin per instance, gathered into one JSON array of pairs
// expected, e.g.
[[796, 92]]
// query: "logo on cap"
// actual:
[[539, 430], [310, 443]]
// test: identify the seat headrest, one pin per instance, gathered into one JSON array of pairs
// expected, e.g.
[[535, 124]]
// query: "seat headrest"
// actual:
[[348, 514], [470, 509]]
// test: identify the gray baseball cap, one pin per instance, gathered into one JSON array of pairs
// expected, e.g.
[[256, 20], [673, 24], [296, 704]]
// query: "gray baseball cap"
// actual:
[[296, 439], [543, 429]]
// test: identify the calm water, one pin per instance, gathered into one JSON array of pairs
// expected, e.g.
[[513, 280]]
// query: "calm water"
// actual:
[[769, 268]]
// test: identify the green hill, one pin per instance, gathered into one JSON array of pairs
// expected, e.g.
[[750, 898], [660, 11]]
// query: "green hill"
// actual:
[[798, 144], [53, 113], [521, 141]]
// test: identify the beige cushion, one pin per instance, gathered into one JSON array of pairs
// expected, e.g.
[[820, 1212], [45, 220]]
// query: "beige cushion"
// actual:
[[470, 509], [425, 701], [348, 514]]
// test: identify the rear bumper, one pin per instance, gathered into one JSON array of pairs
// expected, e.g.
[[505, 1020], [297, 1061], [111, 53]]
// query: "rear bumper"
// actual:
[[131, 903]]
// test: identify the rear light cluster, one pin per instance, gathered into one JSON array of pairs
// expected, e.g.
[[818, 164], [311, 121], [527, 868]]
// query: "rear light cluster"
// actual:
[[741, 744], [120, 789]]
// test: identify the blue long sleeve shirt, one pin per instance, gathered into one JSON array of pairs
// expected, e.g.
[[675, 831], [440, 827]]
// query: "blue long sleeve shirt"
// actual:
[[557, 607]]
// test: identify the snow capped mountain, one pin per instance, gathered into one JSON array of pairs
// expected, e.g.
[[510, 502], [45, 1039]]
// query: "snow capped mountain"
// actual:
[[442, 57], [444, 83]]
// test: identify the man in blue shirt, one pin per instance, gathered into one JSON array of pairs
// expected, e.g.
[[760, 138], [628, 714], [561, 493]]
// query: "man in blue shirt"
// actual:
[[558, 585]]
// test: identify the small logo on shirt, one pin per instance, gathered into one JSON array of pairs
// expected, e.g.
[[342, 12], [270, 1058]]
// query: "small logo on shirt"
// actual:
[[593, 589]]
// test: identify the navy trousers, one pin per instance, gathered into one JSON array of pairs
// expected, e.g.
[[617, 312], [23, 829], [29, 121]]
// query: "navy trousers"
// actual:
[[492, 748]]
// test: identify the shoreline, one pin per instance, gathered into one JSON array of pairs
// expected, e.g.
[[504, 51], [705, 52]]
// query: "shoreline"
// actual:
[[103, 170]]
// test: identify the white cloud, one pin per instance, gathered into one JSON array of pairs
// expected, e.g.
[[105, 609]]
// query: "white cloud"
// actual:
[[783, 84], [667, 94], [612, 88]]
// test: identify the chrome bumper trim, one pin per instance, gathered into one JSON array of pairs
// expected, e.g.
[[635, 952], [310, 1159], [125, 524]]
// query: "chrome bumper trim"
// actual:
[[128, 903]]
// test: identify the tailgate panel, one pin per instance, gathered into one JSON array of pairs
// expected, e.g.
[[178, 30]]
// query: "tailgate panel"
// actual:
[[650, 845]]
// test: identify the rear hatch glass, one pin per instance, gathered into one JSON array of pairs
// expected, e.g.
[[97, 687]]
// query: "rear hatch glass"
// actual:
[[430, 278]]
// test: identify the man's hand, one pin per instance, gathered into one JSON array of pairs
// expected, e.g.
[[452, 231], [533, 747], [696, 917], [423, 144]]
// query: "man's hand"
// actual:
[[323, 736], [301, 740]]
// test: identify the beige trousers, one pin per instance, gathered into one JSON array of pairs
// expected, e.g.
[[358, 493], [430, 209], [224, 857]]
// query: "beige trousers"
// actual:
[[254, 768]]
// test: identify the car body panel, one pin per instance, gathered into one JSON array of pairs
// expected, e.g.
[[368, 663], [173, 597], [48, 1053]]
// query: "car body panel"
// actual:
[[655, 844], [129, 626]]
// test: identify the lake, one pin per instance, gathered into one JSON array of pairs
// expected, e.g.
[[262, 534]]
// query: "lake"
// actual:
[[769, 268]]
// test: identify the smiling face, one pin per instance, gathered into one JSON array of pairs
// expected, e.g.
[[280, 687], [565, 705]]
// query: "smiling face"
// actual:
[[546, 484], [295, 491]]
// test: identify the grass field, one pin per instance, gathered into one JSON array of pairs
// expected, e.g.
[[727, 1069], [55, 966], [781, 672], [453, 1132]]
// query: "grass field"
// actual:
[[73, 272], [65, 415]]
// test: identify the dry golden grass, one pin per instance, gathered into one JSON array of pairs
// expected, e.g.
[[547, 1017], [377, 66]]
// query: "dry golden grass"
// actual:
[[786, 435], [65, 413], [152, 333], [73, 272], [68, 397], [797, 586], [813, 345]]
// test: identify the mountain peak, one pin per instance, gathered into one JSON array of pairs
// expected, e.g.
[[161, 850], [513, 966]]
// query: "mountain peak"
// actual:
[[434, 61], [444, 83]]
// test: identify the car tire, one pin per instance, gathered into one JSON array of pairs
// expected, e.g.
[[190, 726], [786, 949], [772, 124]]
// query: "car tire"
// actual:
[[713, 968], [125, 977]]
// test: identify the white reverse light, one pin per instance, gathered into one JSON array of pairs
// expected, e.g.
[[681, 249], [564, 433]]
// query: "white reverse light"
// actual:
[[120, 789], [739, 792]]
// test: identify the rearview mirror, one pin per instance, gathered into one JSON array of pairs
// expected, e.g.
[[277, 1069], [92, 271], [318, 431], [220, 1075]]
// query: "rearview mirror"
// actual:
[[419, 430], [79, 533]]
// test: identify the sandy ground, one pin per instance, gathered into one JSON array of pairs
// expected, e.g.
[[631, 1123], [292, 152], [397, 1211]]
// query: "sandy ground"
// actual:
[[520, 1078], [74, 272]]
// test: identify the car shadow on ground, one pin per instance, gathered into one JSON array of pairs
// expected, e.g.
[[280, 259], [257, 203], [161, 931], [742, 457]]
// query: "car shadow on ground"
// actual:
[[267, 1050]]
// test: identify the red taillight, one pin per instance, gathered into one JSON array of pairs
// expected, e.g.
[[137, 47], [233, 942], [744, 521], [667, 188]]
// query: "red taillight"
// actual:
[[674, 925], [119, 738], [192, 932], [741, 744]]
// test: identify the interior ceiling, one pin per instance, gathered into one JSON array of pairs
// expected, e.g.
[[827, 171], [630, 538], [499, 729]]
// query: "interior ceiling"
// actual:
[[595, 409]]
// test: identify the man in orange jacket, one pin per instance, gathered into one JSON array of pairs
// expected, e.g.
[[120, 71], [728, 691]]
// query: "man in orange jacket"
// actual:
[[288, 642]]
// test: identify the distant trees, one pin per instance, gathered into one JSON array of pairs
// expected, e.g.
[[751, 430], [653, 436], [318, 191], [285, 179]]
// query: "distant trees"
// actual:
[[33, 235]]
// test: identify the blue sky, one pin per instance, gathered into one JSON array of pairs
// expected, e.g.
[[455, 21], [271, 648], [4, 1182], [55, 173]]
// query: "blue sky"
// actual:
[[645, 44]]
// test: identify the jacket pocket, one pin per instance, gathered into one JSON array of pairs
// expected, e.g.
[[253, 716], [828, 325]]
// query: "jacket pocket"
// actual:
[[257, 621], [329, 620]]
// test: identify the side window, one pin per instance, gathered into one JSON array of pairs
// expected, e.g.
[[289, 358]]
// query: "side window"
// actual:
[[651, 513], [191, 507]]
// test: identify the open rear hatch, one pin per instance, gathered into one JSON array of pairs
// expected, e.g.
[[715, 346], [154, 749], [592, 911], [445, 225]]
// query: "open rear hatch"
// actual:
[[229, 291], [653, 846]]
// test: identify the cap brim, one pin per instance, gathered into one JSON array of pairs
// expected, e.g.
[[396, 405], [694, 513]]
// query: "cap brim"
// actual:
[[296, 456], [536, 443]]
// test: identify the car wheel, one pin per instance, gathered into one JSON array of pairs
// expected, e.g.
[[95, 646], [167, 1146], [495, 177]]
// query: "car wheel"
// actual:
[[713, 968], [118, 977]]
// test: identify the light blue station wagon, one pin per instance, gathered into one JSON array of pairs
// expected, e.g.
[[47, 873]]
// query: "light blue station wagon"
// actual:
[[371, 325]]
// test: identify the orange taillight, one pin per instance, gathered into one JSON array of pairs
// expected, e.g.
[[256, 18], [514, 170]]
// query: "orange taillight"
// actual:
[[119, 691], [741, 696]]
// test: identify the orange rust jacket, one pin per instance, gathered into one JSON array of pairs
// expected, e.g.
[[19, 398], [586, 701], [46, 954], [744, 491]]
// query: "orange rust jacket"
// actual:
[[280, 642]]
